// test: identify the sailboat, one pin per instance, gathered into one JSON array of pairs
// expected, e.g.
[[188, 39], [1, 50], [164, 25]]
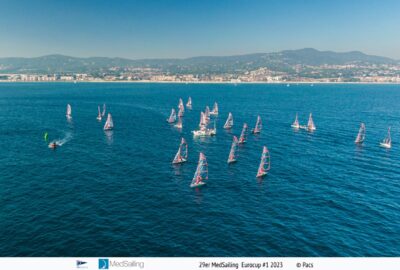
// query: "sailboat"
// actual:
[[361, 134], [207, 114], [242, 138], [172, 117], [215, 109], [204, 130], [99, 114], [69, 112], [181, 108], [232, 153], [258, 127], [189, 103], [104, 110], [213, 131], [296, 124], [182, 154], [310, 124], [109, 123], [202, 120], [179, 123], [201, 173], [229, 122], [180, 104], [265, 163], [387, 142], [180, 112]]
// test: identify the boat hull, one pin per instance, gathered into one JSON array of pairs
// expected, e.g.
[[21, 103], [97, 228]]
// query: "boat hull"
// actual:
[[231, 161], [204, 133], [197, 185], [179, 162], [259, 175], [385, 145]]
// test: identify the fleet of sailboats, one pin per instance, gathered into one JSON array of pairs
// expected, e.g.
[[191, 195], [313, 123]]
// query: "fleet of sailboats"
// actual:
[[232, 153], [182, 154], [361, 134], [229, 122], [387, 142], [265, 163], [258, 127], [201, 173], [109, 125]]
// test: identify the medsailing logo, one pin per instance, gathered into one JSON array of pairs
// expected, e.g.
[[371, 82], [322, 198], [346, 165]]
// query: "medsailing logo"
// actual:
[[103, 264]]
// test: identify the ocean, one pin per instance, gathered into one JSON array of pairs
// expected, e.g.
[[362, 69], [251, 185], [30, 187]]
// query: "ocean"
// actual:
[[117, 193]]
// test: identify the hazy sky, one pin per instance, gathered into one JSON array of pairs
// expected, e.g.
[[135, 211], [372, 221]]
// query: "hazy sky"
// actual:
[[172, 28]]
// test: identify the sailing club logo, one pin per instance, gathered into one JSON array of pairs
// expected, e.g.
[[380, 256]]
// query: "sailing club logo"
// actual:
[[103, 263], [81, 264]]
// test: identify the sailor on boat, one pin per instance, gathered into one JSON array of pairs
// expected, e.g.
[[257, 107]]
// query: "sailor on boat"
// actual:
[[53, 145]]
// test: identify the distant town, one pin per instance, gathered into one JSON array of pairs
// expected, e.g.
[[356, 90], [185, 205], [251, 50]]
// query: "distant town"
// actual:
[[305, 65]]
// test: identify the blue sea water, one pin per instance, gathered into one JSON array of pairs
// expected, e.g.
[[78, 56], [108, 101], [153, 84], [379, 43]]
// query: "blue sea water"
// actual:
[[117, 194]]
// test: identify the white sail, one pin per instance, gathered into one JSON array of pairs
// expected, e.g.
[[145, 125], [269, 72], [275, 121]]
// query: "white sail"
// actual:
[[207, 114], [296, 122], [203, 121], [189, 103], [258, 127], [361, 134], [109, 123], [243, 135], [387, 142], [201, 173], [69, 111], [229, 122], [172, 116], [181, 107], [182, 154], [310, 124], [104, 110], [215, 109], [232, 153], [265, 163], [99, 113]]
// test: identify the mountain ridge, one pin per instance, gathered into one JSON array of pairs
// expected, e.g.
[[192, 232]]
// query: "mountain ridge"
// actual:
[[278, 61]]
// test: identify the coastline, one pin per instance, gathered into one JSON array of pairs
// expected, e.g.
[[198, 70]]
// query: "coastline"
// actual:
[[200, 82]]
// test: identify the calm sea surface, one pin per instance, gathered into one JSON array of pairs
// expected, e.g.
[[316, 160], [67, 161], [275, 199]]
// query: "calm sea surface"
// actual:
[[117, 194]]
